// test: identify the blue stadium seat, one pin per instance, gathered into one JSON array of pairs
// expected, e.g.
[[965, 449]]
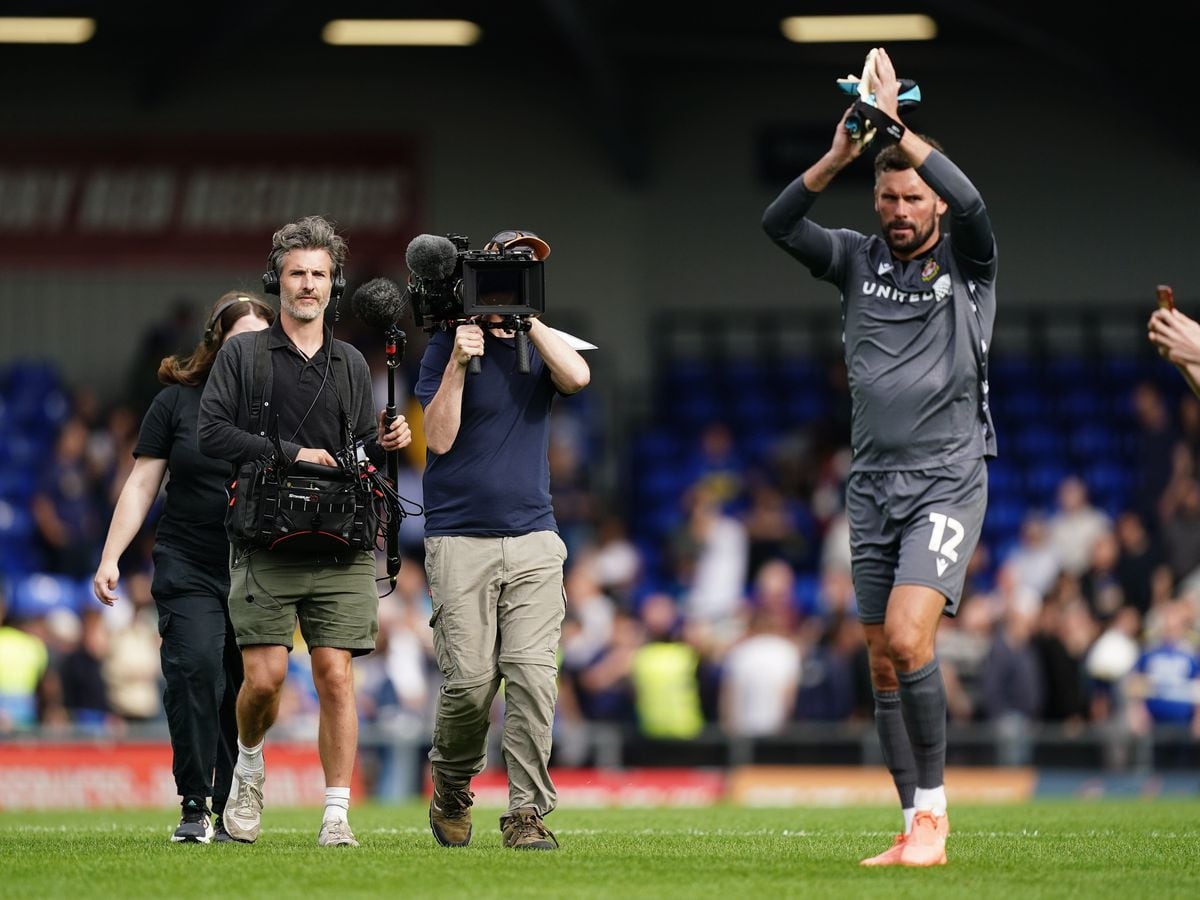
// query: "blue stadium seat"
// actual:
[[1081, 402], [753, 412], [1095, 441], [1035, 443], [1004, 479], [802, 374], [1110, 485], [37, 594], [1013, 372], [1042, 481]]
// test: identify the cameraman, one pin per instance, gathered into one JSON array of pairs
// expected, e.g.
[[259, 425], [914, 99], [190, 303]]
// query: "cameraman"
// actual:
[[333, 595], [494, 561]]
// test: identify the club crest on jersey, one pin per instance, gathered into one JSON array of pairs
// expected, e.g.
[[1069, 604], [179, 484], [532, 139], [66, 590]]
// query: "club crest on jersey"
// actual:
[[930, 269]]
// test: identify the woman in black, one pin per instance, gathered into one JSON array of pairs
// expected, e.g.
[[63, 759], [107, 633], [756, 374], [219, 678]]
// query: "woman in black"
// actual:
[[201, 663]]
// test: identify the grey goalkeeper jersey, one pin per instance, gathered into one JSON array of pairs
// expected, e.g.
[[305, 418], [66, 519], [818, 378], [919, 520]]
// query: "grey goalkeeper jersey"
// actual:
[[916, 334]]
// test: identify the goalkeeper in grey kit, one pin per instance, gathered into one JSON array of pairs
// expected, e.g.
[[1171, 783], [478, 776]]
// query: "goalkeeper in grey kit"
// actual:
[[917, 307]]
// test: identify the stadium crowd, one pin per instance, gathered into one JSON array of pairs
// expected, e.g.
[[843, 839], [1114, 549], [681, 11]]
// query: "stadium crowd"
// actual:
[[740, 616]]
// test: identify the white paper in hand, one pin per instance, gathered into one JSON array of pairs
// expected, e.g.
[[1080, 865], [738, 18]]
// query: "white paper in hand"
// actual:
[[573, 342]]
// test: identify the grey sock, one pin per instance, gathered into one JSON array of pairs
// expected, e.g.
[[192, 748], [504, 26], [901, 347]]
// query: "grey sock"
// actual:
[[923, 703], [897, 750]]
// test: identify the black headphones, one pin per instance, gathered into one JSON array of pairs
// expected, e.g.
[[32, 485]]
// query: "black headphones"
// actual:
[[270, 280], [210, 332]]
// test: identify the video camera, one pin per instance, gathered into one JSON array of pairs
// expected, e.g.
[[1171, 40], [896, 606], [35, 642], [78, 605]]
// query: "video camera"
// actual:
[[450, 283]]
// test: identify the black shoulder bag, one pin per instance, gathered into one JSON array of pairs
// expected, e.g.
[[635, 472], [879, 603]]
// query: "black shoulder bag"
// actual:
[[276, 504]]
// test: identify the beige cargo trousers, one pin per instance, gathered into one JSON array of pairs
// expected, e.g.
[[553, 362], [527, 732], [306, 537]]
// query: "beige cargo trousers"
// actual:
[[498, 606]]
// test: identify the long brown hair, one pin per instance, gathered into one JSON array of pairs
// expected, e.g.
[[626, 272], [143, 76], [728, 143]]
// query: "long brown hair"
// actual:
[[193, 369]]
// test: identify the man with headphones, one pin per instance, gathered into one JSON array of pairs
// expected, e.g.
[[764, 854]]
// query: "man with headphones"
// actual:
[[317, 390], [494, 561]]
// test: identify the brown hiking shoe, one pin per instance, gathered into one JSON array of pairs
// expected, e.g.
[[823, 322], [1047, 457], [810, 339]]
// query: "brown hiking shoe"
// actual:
[[524, 830], [450, 811]]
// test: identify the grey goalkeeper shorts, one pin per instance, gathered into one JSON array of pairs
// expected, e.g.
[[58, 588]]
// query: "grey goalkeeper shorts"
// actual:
[[914, 528]]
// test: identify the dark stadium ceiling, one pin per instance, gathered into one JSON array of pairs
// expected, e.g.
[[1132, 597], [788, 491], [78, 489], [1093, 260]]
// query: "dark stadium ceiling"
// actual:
[[614, 49]]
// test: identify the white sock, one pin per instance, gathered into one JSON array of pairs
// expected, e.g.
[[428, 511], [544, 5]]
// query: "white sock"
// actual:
[[909, 812], [932, 799], [250, 759], [337, 803]]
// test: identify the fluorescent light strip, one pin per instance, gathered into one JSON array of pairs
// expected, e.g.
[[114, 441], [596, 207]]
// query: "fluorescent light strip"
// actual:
[[401, 32], [850, 29], [33, 30]]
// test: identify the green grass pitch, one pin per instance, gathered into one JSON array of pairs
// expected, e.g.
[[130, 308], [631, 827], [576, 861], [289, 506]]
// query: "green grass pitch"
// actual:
[[1073, 848]]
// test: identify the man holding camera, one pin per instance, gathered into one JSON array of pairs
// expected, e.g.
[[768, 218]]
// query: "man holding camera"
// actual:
[[494, 561], [918, 307], [317, 389]]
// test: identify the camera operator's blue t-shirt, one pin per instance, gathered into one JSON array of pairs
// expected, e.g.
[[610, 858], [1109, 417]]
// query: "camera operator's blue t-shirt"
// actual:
[[495, 479]]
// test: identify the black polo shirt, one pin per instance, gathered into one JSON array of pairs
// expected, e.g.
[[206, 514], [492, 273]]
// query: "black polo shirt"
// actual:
[[296, 382]]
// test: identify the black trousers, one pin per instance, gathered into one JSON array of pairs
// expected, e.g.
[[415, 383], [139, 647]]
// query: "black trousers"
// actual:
[[202, 668]]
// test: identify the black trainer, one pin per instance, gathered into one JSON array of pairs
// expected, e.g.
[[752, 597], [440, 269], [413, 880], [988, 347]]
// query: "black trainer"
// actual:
[[220, 835], [195, 826]]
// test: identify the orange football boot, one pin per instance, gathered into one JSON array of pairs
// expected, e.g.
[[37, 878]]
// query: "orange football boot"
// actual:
[[890, 856], [926, 844]]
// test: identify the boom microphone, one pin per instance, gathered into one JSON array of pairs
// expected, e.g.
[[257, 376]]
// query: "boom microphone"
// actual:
[[379, 303], [431, 256]]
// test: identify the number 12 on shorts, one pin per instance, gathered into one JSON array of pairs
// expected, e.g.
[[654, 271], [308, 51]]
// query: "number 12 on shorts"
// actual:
[[946, 548]]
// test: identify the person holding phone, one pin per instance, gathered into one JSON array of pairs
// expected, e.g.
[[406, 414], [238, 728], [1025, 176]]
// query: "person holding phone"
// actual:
[[1177, 337]]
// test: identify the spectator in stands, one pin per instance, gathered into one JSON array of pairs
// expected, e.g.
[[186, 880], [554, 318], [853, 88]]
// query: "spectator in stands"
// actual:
[[574, 502], [81, 672], [200, 661], [394, 684], [963, 646], [717, 466], [710, 552], [591, 612], [24, 663], [618, 564], [1109, 660], [1065, 629], [921, 426], [1165, 686], [1075, 526], [1181, 527], [132, 668], [603, 686], [777, 528], [1155, 439], [1138, 562], [64, 506], [1100, 582], [1011, 686], [1033, 561], [834, 675], [760, 676], [665, 675]]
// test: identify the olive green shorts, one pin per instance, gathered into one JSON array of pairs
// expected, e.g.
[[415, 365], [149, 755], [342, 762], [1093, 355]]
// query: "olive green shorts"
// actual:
[[334, 597]]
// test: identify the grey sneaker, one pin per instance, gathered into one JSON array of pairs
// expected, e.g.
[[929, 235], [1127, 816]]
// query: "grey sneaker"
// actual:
[[523, 829], [336, 833], [195, 825], [450, 811], [243, 811]]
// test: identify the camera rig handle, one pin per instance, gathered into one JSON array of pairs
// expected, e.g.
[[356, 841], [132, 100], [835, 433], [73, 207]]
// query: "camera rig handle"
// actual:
[[394, 342], [520, 326]]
